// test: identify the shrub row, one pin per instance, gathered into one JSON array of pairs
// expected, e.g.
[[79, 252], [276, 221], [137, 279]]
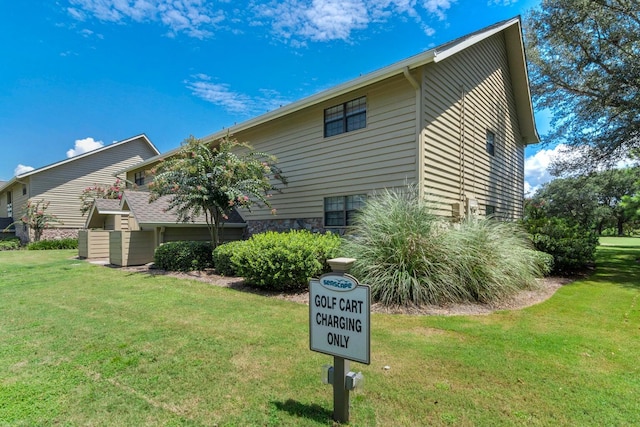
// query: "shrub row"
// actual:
[[9, 244], [278, 261], [183, 256], [43, 245]]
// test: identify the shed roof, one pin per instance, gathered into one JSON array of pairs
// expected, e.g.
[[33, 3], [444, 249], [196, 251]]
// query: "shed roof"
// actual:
[[157, 213]]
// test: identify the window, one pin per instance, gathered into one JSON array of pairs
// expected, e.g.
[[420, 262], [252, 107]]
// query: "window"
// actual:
[[339, 211], [138, 178], [345, 117], [24, 190], [489, 211], [491, 143]]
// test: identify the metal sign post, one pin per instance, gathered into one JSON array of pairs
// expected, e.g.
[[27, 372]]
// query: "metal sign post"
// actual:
[[339, 325]]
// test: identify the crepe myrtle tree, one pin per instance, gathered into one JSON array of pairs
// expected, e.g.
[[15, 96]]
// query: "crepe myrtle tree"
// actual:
[[35, 217], [89, 194], [213, 178]]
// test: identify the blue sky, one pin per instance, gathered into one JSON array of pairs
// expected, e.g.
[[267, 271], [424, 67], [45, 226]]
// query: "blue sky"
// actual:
[[77, 74]]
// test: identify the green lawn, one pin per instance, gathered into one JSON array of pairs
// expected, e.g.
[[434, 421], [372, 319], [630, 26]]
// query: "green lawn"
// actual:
[[82, 344]]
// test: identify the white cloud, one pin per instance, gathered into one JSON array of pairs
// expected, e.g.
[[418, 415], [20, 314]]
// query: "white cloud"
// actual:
[[221, 94], [323, 20], [293, 21], [536, 168], [501, 2], [193, 17], [20, 169], [83, 145]]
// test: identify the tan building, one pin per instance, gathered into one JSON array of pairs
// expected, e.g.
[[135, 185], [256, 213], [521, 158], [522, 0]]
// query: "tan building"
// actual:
[[453, 120], [61, 184], [128, 231]]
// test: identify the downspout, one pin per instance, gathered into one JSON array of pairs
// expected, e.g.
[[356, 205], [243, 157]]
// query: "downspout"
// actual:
[[419, 137]]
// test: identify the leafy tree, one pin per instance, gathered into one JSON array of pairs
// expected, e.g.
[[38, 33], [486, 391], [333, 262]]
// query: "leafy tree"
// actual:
[[583, 58], [89, 194], [591, 201], [36, 218], [212, 179]]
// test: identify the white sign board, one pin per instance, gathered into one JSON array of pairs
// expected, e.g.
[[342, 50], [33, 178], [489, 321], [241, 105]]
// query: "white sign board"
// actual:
[[339, 317]]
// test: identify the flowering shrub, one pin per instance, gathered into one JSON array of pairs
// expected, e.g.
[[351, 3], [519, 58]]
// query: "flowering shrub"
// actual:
[[89, 194], [36, 218]]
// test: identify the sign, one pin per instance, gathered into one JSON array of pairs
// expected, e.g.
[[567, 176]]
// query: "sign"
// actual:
[[339, 317]]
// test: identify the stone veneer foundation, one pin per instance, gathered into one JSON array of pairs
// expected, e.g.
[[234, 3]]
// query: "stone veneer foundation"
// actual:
[[26, 236], [315, 225]]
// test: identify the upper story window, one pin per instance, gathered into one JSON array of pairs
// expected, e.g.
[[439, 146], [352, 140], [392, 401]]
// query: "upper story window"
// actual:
[[138, 178], [345, 117], [491, 143], [24, 190], [339, 211]]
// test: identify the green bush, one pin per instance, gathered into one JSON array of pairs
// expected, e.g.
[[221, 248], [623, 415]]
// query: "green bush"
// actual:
[[222, 258], [9, 244], [409, 256], [288, 260], [183, 256], [44, 245], [572, 247]]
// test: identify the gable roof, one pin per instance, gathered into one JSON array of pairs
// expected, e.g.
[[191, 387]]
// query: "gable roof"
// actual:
[[103, 207], [517, 62], [142, 136], [157, 213]]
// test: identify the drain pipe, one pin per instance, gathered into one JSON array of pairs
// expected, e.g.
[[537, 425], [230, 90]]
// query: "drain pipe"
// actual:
[[420, 145]]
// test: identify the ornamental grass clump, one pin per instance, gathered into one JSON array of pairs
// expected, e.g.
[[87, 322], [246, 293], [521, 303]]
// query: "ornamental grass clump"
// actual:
[[411, 257]]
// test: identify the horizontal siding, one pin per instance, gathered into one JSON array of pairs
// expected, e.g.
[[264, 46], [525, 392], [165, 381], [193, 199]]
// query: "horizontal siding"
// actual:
[[63, 184], [382, 155], [468, 94]]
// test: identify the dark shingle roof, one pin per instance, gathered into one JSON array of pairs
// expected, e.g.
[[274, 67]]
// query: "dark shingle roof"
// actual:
[[157, 212]]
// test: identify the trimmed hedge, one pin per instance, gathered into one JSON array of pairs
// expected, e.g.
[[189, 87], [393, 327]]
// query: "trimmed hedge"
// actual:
[[183, 256], [45, 245], [280, 261]]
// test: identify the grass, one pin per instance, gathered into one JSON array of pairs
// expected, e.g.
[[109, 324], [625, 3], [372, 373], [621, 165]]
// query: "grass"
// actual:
[[87, 345]]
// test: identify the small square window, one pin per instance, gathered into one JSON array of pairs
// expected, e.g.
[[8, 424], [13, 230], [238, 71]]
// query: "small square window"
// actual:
[[138, 178], [339, 211], [489, 211], [491, 143], [345, 117]]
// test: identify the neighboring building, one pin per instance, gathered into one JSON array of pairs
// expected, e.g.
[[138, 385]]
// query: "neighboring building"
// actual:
[[127, 231], [61, 184], [453, 120]]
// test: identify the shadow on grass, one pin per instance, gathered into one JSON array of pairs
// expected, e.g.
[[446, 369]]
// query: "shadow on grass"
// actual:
[[303, 410], [619, 265]]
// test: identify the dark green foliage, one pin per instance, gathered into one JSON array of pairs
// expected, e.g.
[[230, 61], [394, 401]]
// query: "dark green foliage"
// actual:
[[222, 258], [583, 64], [67, 243], [10, 244], [573, 247], [288, 260], [183, 256]]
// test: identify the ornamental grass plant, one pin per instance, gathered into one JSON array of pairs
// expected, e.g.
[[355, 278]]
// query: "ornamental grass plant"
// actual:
[[410, 256]]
